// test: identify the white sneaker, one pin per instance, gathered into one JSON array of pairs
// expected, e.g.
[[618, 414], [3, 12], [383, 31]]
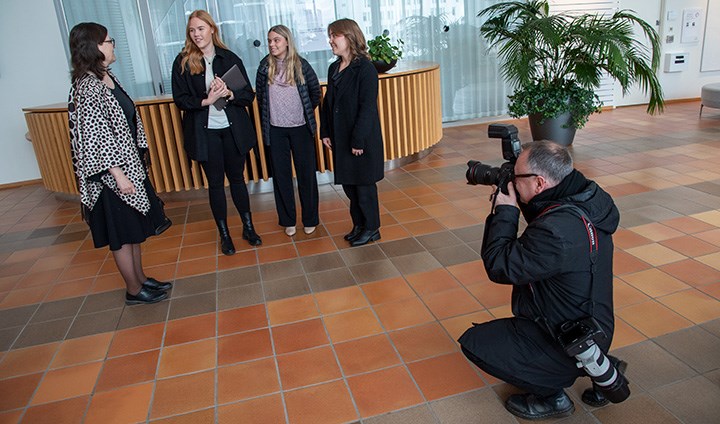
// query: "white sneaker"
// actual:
[[290, 231], [309, 230]]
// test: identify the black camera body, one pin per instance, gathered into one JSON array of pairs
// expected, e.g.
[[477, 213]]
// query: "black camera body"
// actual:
[[479, 173], [579, 340]]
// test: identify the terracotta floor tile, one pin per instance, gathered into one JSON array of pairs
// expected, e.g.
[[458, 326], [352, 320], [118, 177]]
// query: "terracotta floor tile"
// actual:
[[456, 326], [710, 236], [624, 294], [366, 354], [264, 410], [27, 361], [124, 405], [491, 295], [190, 329], [352, 325], [183, 394], [451, 303], [128, 370], [293, 309], [137, 339], [205, 416], [238, 260], [690, 246], [276, 253], [625, 263], [712, 260], [244, 347], [299, 336], [247, 380], [652, 319], [390, 290], [24, 297], [69, 411], [445, 376], [198, 251], [84, 349], [16, 392], [314, 247], [626, 239], [195, 267], [625, 335], [325, 403], [688, 225], [187, 358], [656, 254], [241, 319], [108, 282], [340, 300], [422, 342], [383, 391], [307, 367], [432, 281], [469, 273], [75, 272], [54, 385], [426, 226], [656, 231], [393, 232], [654, 282], [710, 217], [403, 313], [693, 305], [692, 272]]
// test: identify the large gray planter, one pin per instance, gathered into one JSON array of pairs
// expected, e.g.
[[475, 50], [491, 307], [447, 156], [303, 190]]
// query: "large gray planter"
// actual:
[[552, 129]]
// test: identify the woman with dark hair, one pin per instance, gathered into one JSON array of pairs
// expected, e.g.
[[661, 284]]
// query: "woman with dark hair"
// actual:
[[350, 126], [107, 138], [218, 139], [288, 92]]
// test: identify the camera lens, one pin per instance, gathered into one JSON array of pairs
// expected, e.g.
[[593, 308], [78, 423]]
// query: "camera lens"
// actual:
[[479, 173]]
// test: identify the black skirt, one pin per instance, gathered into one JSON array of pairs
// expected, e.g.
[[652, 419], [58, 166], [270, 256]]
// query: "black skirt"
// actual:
[[115, 223]]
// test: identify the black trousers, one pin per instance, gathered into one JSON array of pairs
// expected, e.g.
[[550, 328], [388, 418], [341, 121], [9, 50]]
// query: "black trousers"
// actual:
[[296, 143], [364, 207], [224, 159]]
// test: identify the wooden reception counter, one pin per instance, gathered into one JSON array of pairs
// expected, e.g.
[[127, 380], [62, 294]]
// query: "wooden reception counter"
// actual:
[[410, 114]]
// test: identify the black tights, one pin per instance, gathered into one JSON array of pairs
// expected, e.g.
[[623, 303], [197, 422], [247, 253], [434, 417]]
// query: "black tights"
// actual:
[[224, 158], [129, 262]]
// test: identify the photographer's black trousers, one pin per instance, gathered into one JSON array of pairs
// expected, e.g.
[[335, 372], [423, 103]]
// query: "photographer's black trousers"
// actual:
[[519, 352]]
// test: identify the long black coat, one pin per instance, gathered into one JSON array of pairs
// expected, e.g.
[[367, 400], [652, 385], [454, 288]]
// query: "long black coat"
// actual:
[[188, 94], [349, 117], [549, 268]]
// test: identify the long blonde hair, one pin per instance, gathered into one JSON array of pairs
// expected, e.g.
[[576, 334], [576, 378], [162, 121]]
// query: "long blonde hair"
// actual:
[[293, 68], [354, 35], [191, 54]]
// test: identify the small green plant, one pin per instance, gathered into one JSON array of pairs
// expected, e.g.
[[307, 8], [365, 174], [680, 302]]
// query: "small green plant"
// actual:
[[381, 49], [551, 100]]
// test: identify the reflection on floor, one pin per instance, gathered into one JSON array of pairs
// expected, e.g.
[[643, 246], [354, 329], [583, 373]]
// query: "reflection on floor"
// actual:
[[307, 330]]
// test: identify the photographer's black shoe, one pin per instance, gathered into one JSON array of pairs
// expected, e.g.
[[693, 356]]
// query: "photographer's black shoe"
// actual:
[[594, 396], [533, 407]]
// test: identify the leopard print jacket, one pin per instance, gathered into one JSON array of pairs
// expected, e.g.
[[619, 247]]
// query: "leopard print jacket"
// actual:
[[100, 139]]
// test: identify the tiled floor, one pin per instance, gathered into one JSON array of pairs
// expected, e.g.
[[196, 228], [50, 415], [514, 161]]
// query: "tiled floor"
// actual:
[[306, 330]]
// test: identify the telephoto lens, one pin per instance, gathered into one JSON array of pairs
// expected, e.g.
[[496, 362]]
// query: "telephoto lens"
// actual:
[[605, 376]]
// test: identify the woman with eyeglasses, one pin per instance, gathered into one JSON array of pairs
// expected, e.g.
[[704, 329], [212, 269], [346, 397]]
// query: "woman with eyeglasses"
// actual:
[[350, 126], [288, 92], [108, 143], [219, 139]]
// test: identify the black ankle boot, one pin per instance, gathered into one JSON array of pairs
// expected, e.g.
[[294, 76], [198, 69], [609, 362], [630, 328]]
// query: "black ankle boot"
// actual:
[[249, 233], [365, 237], [354, 233], [226, 243], [533, 407]]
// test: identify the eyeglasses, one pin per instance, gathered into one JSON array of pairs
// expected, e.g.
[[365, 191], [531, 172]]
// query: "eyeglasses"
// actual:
[[111, 41], [524, 176]]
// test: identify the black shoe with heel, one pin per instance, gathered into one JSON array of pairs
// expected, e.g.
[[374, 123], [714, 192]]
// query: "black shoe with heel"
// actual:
[[226, 243], [365, 237], [354, 233], [533, 407], [249, 233]]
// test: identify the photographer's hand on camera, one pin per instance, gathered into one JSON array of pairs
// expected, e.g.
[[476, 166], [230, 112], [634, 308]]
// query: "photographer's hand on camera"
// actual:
[[501, 198]]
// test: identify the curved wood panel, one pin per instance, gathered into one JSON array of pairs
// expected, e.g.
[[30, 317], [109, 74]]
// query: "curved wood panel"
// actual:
[[410, 118]]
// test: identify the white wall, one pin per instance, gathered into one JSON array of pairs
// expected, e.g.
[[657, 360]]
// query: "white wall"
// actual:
[[33, 72]]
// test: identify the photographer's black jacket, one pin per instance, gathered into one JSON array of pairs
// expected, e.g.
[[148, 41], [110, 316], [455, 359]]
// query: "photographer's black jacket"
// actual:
[[550, 270]]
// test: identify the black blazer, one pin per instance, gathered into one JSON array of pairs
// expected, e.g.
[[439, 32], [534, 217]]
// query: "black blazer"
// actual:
[[188, 94], [349, 117]]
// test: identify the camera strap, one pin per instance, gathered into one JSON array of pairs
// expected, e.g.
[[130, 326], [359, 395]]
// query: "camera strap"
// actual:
[[592, 250]]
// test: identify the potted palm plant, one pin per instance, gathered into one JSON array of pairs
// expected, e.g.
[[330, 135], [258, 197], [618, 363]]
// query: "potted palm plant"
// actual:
[[383, 53], [555, 62]]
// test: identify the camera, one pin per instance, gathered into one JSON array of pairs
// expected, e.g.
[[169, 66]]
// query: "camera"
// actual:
[[479, 173], [579, 340]]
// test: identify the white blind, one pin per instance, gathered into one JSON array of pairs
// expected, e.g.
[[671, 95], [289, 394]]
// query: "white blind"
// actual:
[[574, 7]]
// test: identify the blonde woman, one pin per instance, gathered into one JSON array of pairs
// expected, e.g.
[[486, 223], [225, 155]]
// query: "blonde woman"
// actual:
[[288, 93], [218, 139], [350, 126]]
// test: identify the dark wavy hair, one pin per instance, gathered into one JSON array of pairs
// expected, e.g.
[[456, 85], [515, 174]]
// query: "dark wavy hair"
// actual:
[[85, 54]]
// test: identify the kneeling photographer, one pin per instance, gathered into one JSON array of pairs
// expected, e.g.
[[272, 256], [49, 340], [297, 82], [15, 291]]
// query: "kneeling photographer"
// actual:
[[561, 271]]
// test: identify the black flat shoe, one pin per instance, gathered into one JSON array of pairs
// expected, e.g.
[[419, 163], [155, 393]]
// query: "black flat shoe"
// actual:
[[365, 237], [156, 285], [354, 233], [145, 296], [533, 407]]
